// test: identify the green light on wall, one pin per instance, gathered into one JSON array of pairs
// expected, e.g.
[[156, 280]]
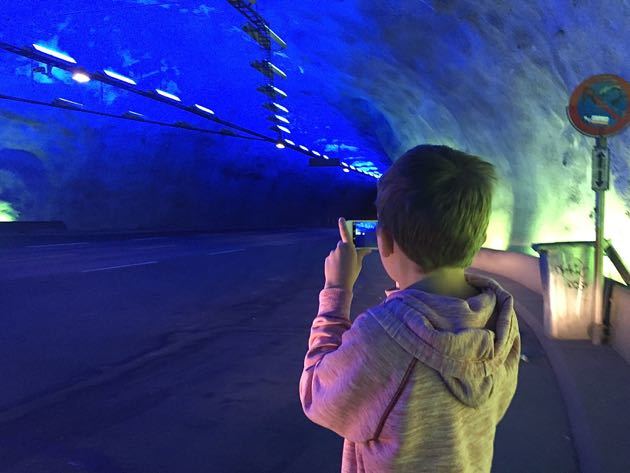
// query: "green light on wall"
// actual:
[[7, 213], [574, 223], [498, 233]]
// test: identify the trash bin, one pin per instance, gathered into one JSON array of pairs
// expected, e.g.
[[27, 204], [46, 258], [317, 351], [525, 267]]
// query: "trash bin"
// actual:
[[567, 272]]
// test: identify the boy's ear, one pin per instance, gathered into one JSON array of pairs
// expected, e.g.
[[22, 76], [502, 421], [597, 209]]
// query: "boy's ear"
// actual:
[[387, 242]]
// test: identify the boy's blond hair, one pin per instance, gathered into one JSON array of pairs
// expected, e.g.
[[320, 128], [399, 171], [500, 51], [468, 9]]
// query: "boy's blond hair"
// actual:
[[435, 201]]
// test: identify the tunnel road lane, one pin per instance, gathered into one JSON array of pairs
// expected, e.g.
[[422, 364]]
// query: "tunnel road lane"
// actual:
[[26, 261], [174, 367]]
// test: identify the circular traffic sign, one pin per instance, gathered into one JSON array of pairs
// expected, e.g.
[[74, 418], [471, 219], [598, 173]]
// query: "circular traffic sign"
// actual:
[[600, 106]]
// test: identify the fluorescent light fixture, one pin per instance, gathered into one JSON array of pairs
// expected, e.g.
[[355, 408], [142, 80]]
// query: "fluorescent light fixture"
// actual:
[[274, 107], [282, 93], [276, 70], [280, 145], [344, 164], [289, 142], [280, 128], [204, 109], [120, 77], [134, 115], [316, 153], [304, 148], [255, 34], [54, 53], [279, 119], [67, 103], [268, 69], [271, 91], [326, 156], [276, 38], [168, 95], [81, 77], [346, 170], [352, 167], [280, 107]]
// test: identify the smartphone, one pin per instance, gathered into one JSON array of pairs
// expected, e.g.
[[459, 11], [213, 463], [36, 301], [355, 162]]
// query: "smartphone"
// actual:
[[363, 233]]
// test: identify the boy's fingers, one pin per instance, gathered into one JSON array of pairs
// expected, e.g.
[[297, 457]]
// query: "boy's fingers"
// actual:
[[343, 231]]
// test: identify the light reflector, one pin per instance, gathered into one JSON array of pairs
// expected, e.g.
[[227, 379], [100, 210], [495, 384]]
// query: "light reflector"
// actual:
[[54, 53]]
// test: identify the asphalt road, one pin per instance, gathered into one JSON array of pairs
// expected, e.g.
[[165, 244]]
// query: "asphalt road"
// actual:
[[183, 354]]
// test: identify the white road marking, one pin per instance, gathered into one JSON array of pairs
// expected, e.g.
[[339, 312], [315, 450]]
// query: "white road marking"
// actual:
[[58, 244], [153, 247], [121, 266], [226, 251]]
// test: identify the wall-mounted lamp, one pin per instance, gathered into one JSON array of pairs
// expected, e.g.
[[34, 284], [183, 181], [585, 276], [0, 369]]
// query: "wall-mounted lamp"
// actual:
[[80, 76]]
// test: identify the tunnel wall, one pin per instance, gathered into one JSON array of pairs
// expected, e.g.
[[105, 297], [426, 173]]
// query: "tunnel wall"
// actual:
[[98, 173]]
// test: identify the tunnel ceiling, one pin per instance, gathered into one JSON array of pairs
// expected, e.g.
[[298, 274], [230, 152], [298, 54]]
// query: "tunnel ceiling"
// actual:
[[368, 79]]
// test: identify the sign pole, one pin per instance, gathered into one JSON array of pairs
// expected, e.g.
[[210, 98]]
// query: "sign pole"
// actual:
[[600, 183], [600, 107]]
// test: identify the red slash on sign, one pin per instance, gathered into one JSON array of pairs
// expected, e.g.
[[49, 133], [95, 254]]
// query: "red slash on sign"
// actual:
[[600, 106]]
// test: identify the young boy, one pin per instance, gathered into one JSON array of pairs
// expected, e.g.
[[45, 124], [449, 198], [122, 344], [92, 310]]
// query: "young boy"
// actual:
[[419, 382]]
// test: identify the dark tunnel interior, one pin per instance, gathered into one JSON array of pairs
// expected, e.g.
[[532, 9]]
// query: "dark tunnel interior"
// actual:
[[172, 173]]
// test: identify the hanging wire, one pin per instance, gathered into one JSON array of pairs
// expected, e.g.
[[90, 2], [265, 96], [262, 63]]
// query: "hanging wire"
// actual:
[[180, 125]]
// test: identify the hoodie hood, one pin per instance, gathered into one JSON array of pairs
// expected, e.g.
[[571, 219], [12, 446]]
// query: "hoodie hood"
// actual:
[[466, 340]]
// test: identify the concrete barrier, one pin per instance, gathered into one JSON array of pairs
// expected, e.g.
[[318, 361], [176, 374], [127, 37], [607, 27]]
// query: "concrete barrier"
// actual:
[[524, 270], [517, 266], [620, 320], [54, 226]]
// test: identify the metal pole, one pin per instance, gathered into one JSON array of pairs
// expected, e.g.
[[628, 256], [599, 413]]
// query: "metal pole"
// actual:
[[597, 328]]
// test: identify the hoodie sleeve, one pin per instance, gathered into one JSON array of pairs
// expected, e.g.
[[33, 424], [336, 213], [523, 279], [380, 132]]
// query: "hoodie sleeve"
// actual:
[[348, 378]]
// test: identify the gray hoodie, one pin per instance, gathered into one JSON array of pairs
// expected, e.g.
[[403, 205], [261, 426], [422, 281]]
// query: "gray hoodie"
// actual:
[[417, 383]]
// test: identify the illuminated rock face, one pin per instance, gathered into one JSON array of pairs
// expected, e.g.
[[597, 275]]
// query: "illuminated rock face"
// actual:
[[368, 79]]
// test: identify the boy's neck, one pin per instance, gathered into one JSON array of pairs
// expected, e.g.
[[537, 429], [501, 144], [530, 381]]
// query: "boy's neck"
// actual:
[[443, 281]]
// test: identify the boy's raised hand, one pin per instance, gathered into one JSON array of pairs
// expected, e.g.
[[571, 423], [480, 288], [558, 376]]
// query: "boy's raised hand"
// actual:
[[343, 264]]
